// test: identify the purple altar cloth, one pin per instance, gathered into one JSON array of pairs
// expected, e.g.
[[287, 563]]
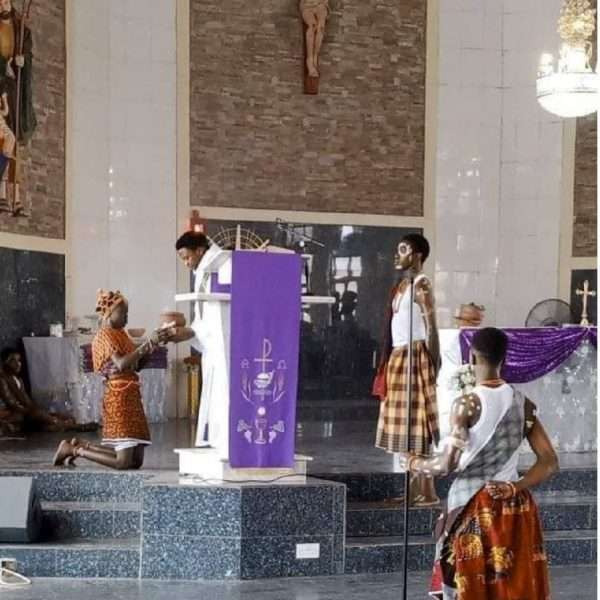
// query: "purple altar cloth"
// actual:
[[265, 342], [534, 352]]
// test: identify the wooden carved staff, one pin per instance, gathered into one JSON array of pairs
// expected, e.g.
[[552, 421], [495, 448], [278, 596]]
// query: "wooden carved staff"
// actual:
[[26, 8]]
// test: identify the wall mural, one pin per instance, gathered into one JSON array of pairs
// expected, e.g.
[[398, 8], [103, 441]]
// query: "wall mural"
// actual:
[[32, 117]]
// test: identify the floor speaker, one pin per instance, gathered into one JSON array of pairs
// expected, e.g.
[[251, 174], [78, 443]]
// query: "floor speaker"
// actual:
[[20, 511]]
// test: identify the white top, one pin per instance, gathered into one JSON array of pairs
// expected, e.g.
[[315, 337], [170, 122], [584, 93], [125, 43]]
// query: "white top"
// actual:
[[400, 316], [495, 402]]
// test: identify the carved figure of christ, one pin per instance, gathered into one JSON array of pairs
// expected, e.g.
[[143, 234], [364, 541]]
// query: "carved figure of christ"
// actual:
[[314, 14]]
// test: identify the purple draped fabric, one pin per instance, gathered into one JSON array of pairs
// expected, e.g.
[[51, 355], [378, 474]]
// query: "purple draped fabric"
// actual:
[[534, 352], [265, 344]]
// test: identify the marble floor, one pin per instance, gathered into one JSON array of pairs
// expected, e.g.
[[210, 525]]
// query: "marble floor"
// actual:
[[336, 447], [568, 583]]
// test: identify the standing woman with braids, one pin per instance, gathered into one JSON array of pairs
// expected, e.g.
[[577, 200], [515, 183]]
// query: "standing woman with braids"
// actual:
[[116, 358]]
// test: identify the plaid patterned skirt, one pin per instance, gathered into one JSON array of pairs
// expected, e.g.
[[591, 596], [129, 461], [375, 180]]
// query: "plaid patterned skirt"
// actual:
[[392, 428]]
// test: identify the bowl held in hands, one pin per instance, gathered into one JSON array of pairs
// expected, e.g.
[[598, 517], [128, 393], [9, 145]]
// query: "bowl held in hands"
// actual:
[[136, 332], [175, 319]]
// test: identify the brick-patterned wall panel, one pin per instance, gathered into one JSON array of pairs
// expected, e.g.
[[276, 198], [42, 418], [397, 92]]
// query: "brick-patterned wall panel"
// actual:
[[258, 142], [44, 160], [586, 190]]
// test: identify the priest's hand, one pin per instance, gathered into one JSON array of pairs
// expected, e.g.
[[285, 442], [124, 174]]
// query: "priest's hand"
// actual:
[[20, 61], [159, 336], [180, 334]]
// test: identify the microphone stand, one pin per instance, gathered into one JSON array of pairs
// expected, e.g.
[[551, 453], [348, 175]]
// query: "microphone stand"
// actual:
[[411, 297], [290, 228]]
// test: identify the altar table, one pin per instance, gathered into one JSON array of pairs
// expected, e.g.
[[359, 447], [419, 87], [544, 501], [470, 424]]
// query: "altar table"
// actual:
[[555, 367]]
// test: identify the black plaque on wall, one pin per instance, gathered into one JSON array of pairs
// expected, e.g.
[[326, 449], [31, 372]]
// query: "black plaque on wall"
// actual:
[[355, 264], [33, 294], [578, 278]]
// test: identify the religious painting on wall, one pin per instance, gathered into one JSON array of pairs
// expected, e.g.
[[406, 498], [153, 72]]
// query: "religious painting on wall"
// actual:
[[32, 117], [339, 343], [586, 300]]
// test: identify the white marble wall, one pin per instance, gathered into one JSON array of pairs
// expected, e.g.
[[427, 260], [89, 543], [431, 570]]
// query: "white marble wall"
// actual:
[[499, 158], [122, 119]]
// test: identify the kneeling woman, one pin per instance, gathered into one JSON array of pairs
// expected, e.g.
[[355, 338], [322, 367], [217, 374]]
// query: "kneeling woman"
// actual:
[[489, 540], [115, 356]]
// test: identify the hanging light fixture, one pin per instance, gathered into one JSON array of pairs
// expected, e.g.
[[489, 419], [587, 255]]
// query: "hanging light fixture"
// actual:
[[572, 89]]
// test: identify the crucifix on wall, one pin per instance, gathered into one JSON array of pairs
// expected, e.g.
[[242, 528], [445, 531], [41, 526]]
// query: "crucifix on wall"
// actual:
[[314, 16]]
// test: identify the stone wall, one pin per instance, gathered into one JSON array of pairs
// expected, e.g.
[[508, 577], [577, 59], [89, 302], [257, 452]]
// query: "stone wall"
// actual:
[[585, 201], [258, 142], [44, 160]]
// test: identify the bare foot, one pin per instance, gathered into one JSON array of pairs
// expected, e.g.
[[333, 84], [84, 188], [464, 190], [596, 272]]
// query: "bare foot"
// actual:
[[312, 70], [64, 451]]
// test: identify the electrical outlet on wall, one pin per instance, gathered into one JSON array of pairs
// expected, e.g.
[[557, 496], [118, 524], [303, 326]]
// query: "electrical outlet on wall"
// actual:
[[304, 551]]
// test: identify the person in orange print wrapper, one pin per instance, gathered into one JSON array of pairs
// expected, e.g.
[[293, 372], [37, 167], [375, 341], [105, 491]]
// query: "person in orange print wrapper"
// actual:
[[116, 358]]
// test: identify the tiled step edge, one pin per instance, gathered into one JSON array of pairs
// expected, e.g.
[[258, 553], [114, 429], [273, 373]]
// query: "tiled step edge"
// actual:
[[107, 558], [381, 486], [384, 555], [558, 511], [64, 520], [78, 485]]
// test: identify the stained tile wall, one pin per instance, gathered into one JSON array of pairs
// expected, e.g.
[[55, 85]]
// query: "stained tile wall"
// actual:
[[498, 159]]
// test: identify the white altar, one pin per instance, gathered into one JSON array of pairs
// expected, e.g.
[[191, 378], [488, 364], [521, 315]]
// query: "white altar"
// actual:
[[566, 397], [59, 382]]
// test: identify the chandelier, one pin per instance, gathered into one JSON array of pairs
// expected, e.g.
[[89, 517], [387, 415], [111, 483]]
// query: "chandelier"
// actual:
[[572, 89]]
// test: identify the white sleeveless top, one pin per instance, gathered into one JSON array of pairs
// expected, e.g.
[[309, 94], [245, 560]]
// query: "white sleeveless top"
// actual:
[[400, 319], [494, 404]]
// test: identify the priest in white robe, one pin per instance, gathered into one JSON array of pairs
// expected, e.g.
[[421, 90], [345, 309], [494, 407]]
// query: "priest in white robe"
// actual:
[[209, 335]]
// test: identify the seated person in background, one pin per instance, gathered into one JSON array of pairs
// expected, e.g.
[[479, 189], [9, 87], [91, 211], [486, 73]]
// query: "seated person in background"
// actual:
[[10, 423], [18, 412]]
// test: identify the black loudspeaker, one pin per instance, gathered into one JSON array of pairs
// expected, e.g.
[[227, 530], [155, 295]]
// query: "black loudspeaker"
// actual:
[[20, 511]]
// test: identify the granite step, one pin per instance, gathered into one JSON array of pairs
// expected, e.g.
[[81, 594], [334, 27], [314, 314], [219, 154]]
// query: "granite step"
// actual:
[[82, 485], [65, 520], [382, 486], [558, 511], [384, 554], [103, 558]]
